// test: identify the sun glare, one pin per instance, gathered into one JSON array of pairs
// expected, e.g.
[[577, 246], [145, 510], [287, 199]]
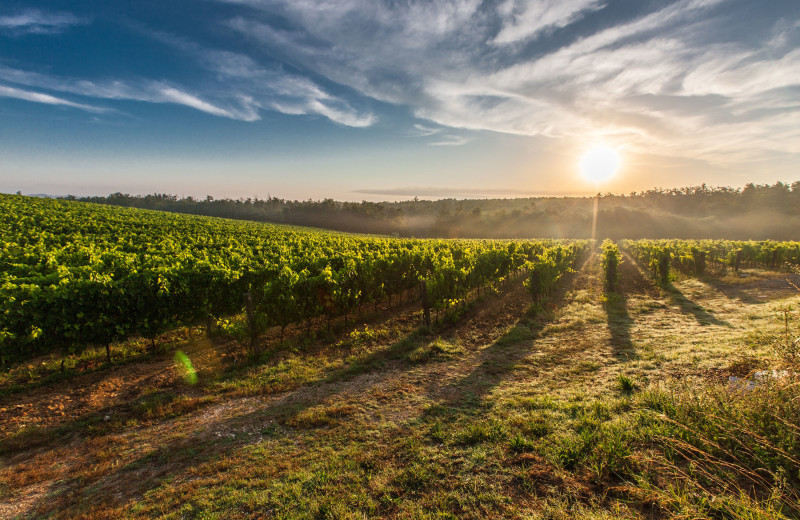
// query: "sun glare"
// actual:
[[599, 163]]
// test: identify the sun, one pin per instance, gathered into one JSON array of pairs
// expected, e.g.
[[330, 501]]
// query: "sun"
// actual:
[[600, 163]]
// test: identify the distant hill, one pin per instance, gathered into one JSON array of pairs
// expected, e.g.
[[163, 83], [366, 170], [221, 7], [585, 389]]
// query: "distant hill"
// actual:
[[756, 212]]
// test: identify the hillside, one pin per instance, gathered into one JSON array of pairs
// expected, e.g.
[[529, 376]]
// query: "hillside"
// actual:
[[590, 406], [755, 212]]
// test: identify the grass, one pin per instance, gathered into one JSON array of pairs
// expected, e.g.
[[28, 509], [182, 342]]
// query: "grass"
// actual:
[[48, 370], [597, 406]]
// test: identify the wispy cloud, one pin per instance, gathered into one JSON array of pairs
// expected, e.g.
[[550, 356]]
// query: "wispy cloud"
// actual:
[[142, 90], [451, 140], [237, 87], [442, 135], [38, 97], [523, 20], [674, 78], [265, 88], [425, 131], [34, 21], [522, 68]]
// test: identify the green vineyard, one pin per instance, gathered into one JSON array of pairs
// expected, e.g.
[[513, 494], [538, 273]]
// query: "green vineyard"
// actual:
[[76, 274], [694, 257]]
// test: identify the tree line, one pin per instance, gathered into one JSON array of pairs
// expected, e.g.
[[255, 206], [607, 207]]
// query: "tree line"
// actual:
[[755, 211]]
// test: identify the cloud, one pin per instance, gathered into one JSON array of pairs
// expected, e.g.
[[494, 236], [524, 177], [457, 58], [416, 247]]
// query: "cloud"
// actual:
[[425, 131], [442, 136], [38, 97], [451, 140], [704, 79], [524, 20], [640, 76], [268, 91], [167, 94], [258, 87], [142, 90], [34, 21], [236, 87]]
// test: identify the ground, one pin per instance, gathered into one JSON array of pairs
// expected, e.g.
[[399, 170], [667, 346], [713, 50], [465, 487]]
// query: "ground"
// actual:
[[483, 416]]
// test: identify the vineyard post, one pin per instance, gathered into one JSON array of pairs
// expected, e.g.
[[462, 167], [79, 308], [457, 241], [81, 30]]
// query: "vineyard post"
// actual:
[[426, 308], [208, 325], [251, 322]]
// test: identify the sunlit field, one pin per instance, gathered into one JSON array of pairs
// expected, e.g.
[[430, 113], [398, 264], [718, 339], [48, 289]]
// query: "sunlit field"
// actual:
[[644, 379], [415, 260]]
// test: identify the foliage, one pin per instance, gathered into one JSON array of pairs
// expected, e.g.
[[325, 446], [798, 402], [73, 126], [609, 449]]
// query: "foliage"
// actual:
[[693, 257], [611, 260], [75, 274]]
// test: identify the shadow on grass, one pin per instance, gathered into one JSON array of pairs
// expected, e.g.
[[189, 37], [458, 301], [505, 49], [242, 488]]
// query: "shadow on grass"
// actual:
[[619, 323], [741, 292], [240, 423], [171, 457], [634, 281], [687, 306], [498, 360]]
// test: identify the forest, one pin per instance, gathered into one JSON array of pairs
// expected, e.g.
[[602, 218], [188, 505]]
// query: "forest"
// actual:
[[757, 212]]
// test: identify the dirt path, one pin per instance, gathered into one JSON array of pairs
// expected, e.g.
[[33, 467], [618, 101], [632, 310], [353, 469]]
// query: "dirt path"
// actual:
[[88, 394]]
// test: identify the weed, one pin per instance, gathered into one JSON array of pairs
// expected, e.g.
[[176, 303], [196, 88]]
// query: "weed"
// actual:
[[626, 384], [520, 444], [481, 431], [438, 350]]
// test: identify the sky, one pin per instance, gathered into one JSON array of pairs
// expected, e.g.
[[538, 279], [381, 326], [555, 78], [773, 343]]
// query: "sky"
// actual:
[[391, 99]]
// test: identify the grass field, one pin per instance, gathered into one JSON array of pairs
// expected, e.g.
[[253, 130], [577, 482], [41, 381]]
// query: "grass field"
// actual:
[[594, 405]]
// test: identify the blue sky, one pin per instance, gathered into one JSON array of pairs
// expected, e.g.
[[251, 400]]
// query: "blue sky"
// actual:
[[380, 100]]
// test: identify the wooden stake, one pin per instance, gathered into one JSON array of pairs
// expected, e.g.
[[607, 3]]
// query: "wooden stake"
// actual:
[[251, 320], [426, 308]]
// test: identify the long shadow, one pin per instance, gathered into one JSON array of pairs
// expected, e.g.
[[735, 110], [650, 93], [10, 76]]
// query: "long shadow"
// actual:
[[223, 437], [174, 458], [742, 292], [704, 317], [632, 280], [619, 325], [732, 292], [214, 440], [640, 283], [500, 358]]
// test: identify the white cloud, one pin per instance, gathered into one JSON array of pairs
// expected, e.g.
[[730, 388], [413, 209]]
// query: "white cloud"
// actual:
[[458, 64], [147, 91], [38, 97], [425, 131], [525, 19], [281, 92], [667, 81], [169, 94], [34, 21], [256, 87], [451, 140]]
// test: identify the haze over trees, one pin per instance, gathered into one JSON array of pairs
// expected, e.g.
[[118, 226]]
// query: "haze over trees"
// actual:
[[756, 212]]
